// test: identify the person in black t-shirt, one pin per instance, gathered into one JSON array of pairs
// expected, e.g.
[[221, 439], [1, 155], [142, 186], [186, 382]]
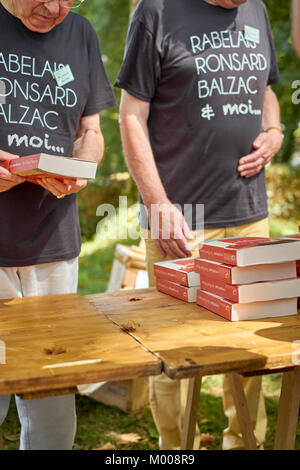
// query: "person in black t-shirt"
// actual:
[[199, 122], [53, 86]]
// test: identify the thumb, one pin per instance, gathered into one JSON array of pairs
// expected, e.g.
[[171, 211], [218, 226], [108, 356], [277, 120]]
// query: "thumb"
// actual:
[[260, 139], [7, 156]]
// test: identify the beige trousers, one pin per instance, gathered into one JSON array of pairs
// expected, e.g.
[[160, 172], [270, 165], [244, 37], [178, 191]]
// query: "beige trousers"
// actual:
[[168, 397]]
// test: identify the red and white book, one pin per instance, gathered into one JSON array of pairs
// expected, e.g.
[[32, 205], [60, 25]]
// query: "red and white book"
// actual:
[[296, 236], [234, 311], [255, 292], [249, 251], [245, 274], [181, 271], [293, 235], [42, 164], [188, 294]]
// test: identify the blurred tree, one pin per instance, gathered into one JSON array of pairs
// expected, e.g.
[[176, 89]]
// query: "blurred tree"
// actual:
[[289, 66], [133, 4], [110, 20]]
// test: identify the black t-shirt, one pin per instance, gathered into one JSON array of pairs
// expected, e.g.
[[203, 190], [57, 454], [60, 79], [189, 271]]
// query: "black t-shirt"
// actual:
[[204, 70], [38, 113]]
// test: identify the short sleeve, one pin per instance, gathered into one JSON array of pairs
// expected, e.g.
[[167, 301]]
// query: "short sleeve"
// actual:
[[101, 95], [140, 71]]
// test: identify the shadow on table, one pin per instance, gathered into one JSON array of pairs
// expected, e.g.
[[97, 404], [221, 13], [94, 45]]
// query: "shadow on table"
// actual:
[[286, 331]]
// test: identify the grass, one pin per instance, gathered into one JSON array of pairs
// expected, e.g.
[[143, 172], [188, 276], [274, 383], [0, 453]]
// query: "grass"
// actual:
[[101, 426]]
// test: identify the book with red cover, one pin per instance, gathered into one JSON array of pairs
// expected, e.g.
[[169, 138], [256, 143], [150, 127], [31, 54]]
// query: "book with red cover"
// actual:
[[188, 294], [245, 274], [293, 235], [234, 311], [296, 236], [42, 164], [249, 251], [181, 271], [255, 292]]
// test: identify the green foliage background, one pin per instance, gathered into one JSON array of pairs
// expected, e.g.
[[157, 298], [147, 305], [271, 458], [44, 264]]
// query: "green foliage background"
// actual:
[[110, 20], [289, 66]]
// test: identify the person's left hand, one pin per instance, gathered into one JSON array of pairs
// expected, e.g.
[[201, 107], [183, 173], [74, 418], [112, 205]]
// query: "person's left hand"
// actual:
[[61, 188], [266, 145]]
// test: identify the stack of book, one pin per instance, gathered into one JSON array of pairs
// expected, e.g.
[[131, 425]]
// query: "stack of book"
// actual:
[[178, 278], [249, 278], [296, 236]]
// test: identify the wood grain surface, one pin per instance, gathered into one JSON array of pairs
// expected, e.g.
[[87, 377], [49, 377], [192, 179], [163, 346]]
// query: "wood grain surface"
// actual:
[[191, 340], [58, 341]]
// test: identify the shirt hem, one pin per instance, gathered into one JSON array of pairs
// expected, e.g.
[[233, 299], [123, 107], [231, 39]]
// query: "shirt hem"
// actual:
[[233, 223], [97, 109], [136, 94], [38, 260], [223, 224]]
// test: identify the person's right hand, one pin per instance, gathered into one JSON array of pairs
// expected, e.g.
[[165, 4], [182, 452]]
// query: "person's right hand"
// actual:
[[7, 180], [169, 230]]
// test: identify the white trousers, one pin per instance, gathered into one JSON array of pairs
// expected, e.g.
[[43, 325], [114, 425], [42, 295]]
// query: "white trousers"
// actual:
[[46, 423]]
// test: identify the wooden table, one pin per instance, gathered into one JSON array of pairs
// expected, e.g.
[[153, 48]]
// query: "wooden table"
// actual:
[[192, 342], [56, 342], [60, 341]]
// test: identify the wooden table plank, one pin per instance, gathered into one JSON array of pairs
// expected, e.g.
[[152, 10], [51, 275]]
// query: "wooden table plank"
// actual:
[[192, 341], [95, 348]]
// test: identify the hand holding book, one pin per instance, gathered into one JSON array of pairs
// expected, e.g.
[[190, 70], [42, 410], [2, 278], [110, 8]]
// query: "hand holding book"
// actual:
[[63, 187], [7, 180], [53, 172]]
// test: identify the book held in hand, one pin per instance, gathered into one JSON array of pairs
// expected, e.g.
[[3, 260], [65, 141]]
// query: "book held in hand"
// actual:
[[255, 292], [245, 274], [249, 251], [234, 311], [181, 271], [42, 164]]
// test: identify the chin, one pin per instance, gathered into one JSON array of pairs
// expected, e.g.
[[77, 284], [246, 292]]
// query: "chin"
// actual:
[[39, 27]]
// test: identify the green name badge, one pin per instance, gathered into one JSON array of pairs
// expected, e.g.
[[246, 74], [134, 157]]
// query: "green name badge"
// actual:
[[252, 34], [63, 75]]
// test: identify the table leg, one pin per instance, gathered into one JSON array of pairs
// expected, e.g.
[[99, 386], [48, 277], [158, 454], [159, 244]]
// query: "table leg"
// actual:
[[288, 410], [190, 417], [242, 410]]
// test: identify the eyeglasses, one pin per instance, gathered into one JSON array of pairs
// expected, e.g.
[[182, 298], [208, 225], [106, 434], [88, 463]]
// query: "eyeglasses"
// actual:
[[66, 3]]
